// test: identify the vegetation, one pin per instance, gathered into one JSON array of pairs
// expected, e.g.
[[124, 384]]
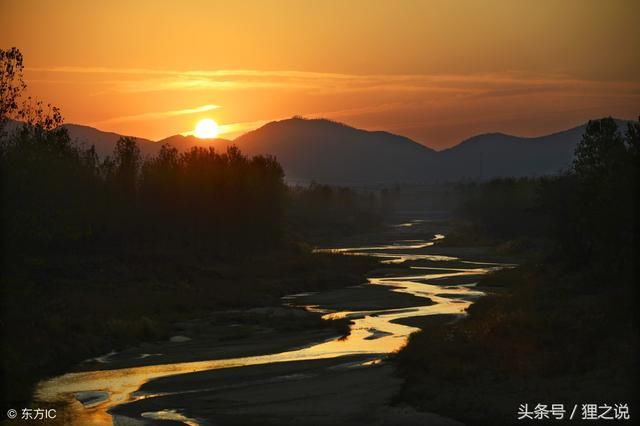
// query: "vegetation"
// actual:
[[321, 212], [563, 328], [62, 196], [100, 253]]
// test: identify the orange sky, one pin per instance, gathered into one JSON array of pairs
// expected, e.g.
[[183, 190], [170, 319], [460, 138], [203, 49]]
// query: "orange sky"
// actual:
[[437, 72]]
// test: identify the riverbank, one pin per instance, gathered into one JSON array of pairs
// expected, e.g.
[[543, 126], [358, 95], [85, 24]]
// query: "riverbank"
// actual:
[[544, 334], [321, 392], [72, 308]]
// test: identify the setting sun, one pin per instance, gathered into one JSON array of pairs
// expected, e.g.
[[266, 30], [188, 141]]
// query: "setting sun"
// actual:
[[206, 129]]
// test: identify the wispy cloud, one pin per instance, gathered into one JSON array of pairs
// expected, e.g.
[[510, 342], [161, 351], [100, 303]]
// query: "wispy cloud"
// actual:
[[140, 80], [157, 115], [194, 84]]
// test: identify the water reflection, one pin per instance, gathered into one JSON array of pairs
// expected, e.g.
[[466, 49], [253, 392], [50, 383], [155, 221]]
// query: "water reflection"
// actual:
[[170, 415]]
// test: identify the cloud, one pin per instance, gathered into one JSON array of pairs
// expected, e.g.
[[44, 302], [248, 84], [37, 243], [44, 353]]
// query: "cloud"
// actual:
[[157, 115], [193, 84], [140, 80]]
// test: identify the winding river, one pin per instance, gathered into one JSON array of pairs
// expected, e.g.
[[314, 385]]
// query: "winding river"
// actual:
[[415, 283]]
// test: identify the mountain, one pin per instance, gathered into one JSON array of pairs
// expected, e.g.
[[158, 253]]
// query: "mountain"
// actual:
[[335, 153], [331, 152], [498, 155], [105, 141]]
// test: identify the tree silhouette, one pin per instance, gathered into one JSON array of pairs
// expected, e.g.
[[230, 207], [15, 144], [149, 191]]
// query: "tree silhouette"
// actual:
[[33, 113], [601, 151], [11, 83], [127, 161]]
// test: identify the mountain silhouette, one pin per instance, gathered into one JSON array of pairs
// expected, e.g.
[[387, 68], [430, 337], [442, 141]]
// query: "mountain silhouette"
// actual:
[[326, 151], [499, 155], [105, 141], [331, 152]]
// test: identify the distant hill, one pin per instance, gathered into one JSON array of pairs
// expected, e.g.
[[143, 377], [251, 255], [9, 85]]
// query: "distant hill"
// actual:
[[330, 152], [335, 153], [496, 154], [499, 155], [105, 141]]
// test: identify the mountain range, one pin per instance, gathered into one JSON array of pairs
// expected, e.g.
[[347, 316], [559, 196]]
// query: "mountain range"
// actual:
[[330, 152]]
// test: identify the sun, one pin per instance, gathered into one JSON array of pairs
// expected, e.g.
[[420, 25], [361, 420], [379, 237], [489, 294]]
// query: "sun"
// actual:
[[206, 129]]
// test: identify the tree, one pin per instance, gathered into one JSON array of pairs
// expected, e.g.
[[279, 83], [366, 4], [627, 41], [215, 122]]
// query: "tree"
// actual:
[[127, 161], [601, 151], [633, 142], [37, 117], [606, 171], [11, 84]]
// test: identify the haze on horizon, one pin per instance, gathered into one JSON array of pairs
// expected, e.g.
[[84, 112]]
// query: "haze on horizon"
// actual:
[[437, 72]]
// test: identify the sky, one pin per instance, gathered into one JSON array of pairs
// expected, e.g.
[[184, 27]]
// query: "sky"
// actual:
[[435, 71]]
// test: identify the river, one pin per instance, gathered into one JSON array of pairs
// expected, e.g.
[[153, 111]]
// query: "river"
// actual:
[[332, 381]]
